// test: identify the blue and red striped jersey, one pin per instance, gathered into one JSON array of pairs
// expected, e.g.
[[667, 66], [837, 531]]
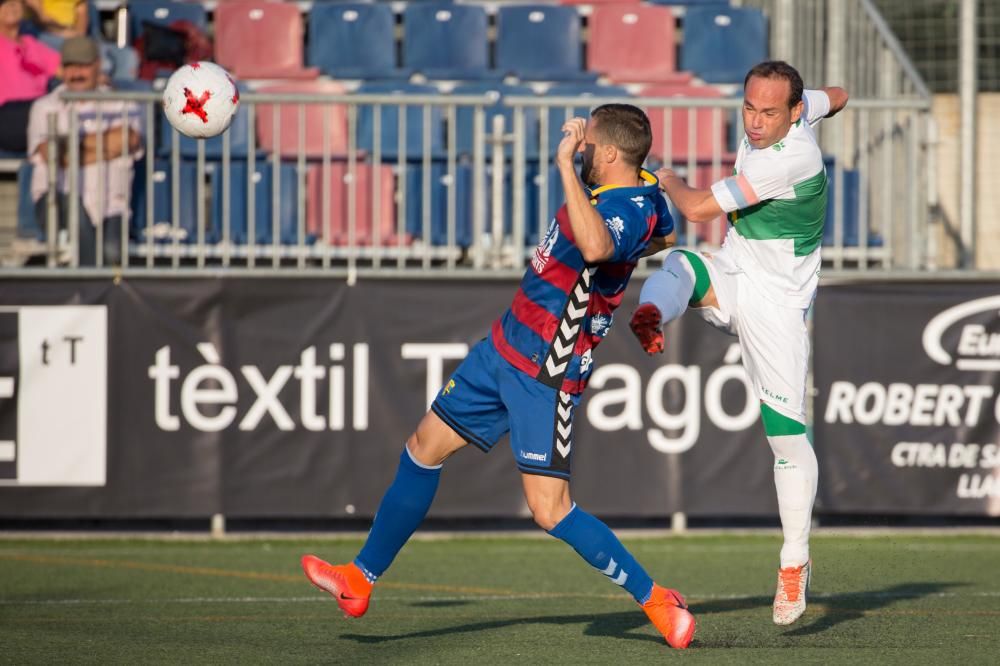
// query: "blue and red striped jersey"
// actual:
[[564, 307]]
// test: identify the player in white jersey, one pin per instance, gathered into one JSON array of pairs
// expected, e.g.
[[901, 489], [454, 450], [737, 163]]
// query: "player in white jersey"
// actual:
[[761, 283]]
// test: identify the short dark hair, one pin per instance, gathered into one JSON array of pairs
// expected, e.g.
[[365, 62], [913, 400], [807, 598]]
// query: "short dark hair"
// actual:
[[625, 127], [779, 69]]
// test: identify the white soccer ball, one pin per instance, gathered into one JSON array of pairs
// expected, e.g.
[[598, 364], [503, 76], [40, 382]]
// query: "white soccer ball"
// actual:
[[200, 100]]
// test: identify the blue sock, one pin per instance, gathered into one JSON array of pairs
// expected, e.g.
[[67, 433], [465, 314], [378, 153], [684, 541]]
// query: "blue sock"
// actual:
[[599, 546], [403, 508]]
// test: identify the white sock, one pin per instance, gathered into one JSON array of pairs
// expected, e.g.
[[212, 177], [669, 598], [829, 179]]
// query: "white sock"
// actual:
[[795, 478], [670, 288]]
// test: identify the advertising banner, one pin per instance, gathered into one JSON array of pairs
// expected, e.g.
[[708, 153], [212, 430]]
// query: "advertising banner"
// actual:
[[907, 412], [271, 398]]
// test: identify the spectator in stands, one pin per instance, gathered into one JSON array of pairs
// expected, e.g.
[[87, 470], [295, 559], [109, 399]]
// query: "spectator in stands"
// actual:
[[53, 21], [26, 65], [105, 185], [60, 18]]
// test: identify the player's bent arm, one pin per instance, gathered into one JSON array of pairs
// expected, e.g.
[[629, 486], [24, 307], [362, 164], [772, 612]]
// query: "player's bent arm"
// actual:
[[694, 205], [659, 243], [838, 99], [590, 234]]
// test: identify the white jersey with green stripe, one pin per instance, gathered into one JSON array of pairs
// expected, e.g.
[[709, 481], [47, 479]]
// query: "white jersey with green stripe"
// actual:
[[776, 204]]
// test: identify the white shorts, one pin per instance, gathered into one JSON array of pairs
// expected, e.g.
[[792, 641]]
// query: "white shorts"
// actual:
[[774, 340]]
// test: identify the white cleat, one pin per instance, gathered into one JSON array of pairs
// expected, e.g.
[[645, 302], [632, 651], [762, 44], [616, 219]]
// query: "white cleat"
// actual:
[[790, 599]]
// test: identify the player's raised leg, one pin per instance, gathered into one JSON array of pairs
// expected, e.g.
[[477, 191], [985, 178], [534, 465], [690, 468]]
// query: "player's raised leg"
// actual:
[[550, 505], [401, 511], [682, 281]]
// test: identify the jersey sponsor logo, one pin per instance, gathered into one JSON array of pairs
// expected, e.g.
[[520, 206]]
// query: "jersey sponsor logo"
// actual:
[[616, 226], [600, 325], [639, 201], [544, 249], [978, 343], [448, 387]]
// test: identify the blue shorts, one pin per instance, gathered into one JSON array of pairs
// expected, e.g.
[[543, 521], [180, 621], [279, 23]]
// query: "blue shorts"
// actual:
[[487, 397]]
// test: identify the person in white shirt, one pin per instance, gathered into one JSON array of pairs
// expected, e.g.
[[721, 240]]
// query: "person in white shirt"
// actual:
[[760, 285], [104, 186]]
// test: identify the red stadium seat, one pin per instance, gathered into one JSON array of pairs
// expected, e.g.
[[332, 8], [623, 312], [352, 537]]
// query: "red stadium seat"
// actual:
[[705, 134], [634, 43], [257, 39], [338, 185], [288, 124]]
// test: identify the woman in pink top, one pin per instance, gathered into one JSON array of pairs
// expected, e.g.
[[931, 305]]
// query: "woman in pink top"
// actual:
[[26, 65]]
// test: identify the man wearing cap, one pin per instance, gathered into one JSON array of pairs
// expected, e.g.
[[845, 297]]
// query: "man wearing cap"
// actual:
[[26, 65], [103, 186]]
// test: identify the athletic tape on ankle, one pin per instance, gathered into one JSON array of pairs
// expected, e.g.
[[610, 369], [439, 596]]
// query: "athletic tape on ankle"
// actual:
[[701, 279]]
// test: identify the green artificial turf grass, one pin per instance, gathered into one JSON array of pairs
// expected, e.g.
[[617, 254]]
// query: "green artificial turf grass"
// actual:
[[878, 599]]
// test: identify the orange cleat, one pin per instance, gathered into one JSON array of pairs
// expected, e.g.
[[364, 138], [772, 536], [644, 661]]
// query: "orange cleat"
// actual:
[[645, 324], [790, 599], [669, 613], [345, 582]]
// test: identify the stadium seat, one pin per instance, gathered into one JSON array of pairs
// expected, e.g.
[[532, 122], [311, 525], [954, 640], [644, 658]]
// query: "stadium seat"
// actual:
[[256, 39], [287, 143], [27, 226], [263, 179], [338, 186], [649, 33], [693, 3], [438, 202], [705, 136], [722, 43], [848, 199], [446, 41], [590, 95], [465, 117], [353, 40], [540, 43], [239, 139], [163, 12], [390, 121], [599, 2], [162, 196]]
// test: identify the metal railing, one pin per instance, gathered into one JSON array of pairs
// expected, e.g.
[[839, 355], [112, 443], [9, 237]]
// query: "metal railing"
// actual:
[[477, 210]]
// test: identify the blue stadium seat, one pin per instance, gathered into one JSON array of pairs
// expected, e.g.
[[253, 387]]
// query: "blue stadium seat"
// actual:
[[693, 3], [590, 95], [465, 117], [352, 40], [438, 203], [721, 44], [26, 224], [390, 121], [446, 41], [164, 12], [239, 144], [162, 195], [263, 222], [540, 43]]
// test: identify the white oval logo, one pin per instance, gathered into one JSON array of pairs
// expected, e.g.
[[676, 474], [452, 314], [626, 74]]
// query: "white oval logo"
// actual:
[[161, 13], [977, 349], [723, 20], [256, 14], [630, 19], [536, 17], [443, 15], [350, 15]]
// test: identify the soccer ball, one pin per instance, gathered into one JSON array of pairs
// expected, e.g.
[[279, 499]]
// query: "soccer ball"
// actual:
[[200, 100]]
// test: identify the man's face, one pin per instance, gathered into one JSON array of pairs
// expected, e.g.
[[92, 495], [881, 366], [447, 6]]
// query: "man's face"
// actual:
[[766, 115], [81, 78], [11, 12], [592, 168]]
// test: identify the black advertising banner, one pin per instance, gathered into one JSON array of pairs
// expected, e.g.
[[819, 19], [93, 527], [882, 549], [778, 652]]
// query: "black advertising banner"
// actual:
[[293, 397], [907, 414]]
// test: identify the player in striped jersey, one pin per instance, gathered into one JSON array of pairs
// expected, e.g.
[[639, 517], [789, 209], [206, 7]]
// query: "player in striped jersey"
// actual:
[[760, 285], [526, 377]]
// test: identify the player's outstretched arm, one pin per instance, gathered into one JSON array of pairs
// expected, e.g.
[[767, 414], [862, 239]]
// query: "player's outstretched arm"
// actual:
[[838, 99], [590, 235], [694, 205]]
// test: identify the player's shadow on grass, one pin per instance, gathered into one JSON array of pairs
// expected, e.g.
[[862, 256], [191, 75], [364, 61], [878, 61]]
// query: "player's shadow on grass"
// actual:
[[838, 608], [616, 625]]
